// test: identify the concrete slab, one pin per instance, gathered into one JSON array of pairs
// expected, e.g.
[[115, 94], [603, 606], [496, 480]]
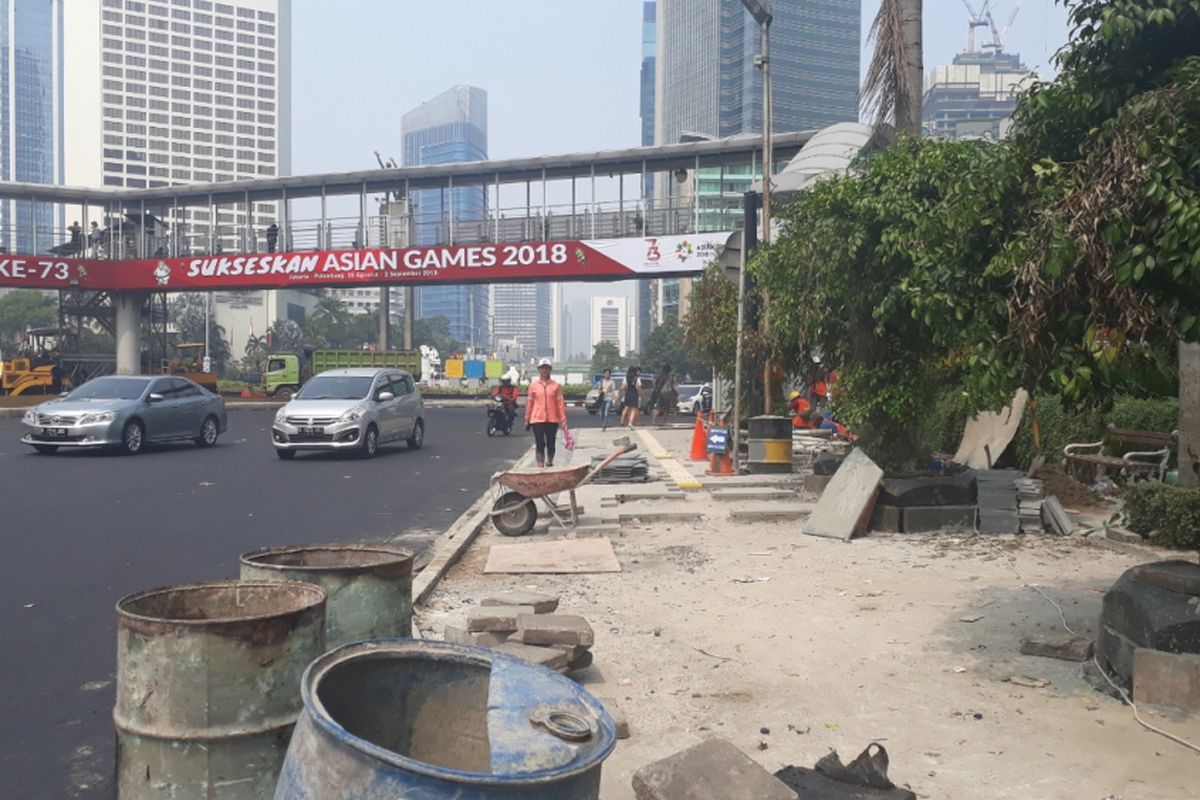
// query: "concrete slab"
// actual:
[[711, 770], [731, 494], [1168, 680], [495, 618], [652, 515], [546, 656], [764, 513], [1062, 646], [845, 507], [541, 603], [551, 629]]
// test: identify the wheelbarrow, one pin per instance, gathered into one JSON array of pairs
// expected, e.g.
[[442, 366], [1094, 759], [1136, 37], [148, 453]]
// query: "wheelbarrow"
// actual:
[[515, 512]]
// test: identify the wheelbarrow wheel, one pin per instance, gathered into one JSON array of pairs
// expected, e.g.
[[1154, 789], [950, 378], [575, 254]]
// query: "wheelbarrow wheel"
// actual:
[[518, 517]]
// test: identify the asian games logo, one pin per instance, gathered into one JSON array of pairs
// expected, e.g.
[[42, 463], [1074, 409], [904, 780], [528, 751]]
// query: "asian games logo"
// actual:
[[684, 251], [162, 273]]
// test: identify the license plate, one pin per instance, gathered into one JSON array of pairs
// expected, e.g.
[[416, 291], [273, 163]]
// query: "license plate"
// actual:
[[312, 431], [55, 433]]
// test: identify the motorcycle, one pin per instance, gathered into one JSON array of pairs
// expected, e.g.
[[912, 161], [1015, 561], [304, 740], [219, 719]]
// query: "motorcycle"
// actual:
[[499, 418]]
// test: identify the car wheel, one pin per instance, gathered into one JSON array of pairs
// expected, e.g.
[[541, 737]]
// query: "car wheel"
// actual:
[[513, 514], [370, 442], [418, 436], [285, 455], [209, 431], [133, 438], [46, 449], [283, 393]]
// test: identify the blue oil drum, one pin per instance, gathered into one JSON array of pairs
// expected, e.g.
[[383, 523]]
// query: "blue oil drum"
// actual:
[[396, 718]]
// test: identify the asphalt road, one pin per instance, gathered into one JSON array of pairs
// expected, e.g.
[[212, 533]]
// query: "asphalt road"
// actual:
[[82, 530]]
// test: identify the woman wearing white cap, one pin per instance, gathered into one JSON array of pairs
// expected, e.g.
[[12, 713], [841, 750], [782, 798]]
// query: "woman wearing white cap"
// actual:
[[544, 411]]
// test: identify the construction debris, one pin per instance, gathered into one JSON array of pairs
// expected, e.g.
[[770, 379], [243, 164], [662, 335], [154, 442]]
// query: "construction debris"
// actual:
[[711, 770], [1030, 496], [500, 619], [997, 492], [1061, 646], [845, 506], [628, 468], [541, 603]]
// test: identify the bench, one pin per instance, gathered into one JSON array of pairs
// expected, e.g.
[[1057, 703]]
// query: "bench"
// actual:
[[1149, 462]]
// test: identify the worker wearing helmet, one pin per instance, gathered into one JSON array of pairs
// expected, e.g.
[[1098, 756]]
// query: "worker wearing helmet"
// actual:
[[545, 410], [508, 395], [801, 411]]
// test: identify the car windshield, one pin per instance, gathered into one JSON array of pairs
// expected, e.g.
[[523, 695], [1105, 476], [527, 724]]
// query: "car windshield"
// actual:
[[109, 389], [687, 392], [336, 387]]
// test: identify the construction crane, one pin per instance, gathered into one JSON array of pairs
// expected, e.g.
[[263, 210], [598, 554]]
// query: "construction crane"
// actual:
[[998, 37], [978, 19]]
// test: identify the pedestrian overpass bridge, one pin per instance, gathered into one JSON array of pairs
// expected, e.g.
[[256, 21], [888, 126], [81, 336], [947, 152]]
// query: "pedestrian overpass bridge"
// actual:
[[256, 234]]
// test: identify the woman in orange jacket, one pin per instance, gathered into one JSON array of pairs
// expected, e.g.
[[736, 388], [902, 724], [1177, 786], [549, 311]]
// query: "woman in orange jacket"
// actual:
[[544, 411]]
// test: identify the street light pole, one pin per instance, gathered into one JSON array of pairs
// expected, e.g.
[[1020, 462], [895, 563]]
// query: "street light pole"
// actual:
[[764, 63]]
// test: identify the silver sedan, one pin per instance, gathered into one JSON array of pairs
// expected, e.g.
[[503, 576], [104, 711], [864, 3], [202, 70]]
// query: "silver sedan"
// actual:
[[127, 412]]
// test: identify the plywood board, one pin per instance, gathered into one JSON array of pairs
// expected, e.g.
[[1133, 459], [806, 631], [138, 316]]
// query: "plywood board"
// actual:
[[565, 556], [987, 435], [846, 504]]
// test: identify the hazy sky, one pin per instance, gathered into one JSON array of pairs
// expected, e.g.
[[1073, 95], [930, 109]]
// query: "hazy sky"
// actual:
[[561, 75]]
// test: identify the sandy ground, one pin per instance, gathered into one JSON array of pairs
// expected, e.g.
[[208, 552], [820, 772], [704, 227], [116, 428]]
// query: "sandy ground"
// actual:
[[790, 646]]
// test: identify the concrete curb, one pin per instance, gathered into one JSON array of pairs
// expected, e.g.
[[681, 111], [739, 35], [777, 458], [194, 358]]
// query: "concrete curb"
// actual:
[[455, 541]]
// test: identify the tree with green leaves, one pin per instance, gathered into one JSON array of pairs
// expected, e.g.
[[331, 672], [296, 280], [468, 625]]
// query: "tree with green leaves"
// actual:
[[605, 355], [186, 313], [668, 344], [22, 309], [435, 332]]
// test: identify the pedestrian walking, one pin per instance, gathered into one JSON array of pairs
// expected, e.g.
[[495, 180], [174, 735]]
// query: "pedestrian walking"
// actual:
[[665, 395], [545, 410], [629, 414], [608, 397], [94, 237], [272, 237]]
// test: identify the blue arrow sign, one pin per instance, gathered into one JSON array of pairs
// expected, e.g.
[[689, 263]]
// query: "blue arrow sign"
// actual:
[[718, 441]]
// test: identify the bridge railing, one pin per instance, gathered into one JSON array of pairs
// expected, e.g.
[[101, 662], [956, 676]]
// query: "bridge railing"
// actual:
[[170, 237]]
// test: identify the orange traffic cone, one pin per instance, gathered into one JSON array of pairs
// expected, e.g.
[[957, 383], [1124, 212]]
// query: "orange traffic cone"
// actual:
[[720, 464], [699, 442]]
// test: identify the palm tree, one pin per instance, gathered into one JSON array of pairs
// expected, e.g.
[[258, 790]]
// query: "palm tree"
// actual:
[[892, 90]]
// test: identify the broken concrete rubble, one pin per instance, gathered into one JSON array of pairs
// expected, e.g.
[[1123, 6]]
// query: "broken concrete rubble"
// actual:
[[546, 656], [711, 770], [1064, 646], [502, 619], [568, 629], [620, 719], [541, 603]]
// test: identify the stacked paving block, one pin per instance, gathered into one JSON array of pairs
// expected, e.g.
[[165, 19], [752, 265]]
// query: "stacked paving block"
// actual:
[[1030, 494], [997, 497], [524, 624], [628, 468]]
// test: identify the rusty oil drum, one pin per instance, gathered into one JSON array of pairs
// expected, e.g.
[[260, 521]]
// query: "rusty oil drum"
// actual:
[[769, 445], [208, 679], [369, 586], [400, 718]]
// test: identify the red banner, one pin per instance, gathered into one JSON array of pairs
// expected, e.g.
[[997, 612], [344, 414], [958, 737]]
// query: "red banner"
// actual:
[[613, 259]]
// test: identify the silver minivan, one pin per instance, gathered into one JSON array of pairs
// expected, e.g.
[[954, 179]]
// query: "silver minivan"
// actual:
[[351, 409]]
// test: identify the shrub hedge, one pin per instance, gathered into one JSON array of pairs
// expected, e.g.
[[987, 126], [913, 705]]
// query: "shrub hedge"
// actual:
[[1171, 510]]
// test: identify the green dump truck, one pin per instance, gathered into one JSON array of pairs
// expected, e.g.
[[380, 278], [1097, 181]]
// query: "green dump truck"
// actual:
[[287, 372]]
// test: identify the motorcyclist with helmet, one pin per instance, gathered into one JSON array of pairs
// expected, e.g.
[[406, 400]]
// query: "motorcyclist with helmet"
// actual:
[[508, 395]]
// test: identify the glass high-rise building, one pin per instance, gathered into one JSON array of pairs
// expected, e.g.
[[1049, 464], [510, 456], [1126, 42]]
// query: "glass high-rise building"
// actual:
[[706, 85], [706, 81], [448, 129], [645, 289], [31, 118]]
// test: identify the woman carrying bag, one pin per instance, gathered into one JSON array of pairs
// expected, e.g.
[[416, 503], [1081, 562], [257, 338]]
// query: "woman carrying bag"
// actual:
[[545, 410]]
